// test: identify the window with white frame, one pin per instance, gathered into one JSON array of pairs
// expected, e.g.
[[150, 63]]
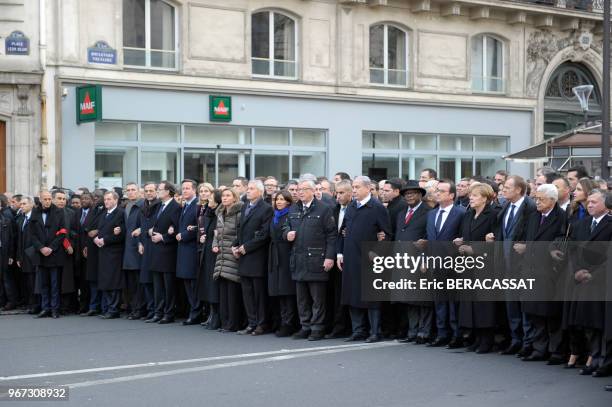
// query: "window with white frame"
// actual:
[[274, 45], [149, 34], [487, 64], [388, 55]]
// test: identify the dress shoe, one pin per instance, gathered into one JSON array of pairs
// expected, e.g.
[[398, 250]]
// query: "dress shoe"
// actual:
[[165, 321], [608, 387], [587, 371], [373, 339], [335, 335], [215, 322], [473, 347], [301, 334], [555, 361], [355, 338], [153, 320], [511, 350], [284, 331], [484, 348], [315, 336], [407, 339], [455, 343], [55, 314], [246, 331], [438, 343], [420, 340], [602, 373], [32, 312], [148, 316], [132, 317], [524, 352], [44, 314], [8, 307], [89, 313], [189, 322], [110, 315], [260, 330], [534, 357]]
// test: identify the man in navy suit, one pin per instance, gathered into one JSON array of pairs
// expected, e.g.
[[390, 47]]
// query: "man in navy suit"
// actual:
[[187, 253], [444, 225]]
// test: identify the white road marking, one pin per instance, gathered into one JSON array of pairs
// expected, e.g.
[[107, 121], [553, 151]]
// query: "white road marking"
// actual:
[[296, 355], [186, 361]]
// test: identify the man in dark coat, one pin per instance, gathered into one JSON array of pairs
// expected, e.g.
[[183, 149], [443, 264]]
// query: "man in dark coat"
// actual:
[[311, 227], [131, 256], [339, 320], [365, 218], [110, 239], [444, 226], [147, 215], [545, 225], [7, 257], [187, 253], [163, 253], [251, 246], [80, 271], [48, 236], [89, 230], [68, 287], [27, 258], [411, 226], [511, 228]]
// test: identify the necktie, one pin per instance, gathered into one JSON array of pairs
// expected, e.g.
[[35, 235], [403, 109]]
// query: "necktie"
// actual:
[[248, 210], [108, 214], [542, 219], [358, 205], [25, 222], [83, 216], [510, 218], [409, 216], [161, 209], [439, 220], [593, 225]]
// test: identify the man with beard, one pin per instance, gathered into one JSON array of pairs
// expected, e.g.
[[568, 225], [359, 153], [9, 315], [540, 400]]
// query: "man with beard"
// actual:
[[145, 245], [49, 232]]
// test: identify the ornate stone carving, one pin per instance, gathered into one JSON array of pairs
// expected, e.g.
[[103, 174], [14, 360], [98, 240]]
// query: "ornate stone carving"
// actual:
[[543, 45], [23, 93], [5, 102]]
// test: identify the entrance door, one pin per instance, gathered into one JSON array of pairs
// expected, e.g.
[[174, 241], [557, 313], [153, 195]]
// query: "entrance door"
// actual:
[[2, 157]]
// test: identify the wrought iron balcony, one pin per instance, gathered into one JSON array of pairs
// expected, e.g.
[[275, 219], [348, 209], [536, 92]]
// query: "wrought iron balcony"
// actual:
[[595, 6]]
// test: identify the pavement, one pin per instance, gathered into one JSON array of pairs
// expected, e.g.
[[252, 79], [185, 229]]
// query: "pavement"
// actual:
[[130, 363]]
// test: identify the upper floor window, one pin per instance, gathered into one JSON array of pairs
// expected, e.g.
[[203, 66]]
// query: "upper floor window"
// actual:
[[149, 34], [274, 45], [487, 64], [388, 55]]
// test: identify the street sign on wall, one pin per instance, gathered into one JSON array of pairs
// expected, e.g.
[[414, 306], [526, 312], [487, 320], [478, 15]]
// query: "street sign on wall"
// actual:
[[17, 44], [89, 103]]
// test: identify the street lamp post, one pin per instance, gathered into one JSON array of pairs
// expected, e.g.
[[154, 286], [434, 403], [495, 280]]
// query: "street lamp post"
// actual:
[[605, 116]]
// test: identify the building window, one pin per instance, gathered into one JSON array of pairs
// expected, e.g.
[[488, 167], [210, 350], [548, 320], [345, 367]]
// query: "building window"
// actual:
[[452, 156], [274, 45], [487, 64], [149, 34], [388, 55]]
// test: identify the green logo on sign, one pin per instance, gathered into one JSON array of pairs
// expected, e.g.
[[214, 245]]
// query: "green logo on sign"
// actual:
[[89, 103], [220, 109]]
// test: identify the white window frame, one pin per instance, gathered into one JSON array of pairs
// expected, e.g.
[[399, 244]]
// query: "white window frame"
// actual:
[[483, 62], [270, 58], [385, 67], [147, 47]]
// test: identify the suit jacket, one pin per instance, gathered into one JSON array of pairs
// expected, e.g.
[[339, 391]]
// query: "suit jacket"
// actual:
[[187, 252], [395, 207], [110, 256], [7, 240], [25, 253], [254, 234], [415, 229], [131, 257], [163, 254]]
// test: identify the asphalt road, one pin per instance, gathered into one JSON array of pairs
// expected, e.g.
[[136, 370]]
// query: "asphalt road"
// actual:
[[130, 363]]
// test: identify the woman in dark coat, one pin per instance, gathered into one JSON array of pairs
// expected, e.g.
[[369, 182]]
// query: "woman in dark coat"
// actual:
[[577, 211], [208, 288], [226, 265], [280, 283], [478, 316]]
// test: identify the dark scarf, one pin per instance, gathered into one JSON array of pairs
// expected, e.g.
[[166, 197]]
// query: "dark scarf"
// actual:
[[148, 206], [279, 214]]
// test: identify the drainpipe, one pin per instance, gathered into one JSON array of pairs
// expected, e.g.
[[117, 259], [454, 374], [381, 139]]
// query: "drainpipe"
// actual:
[[42, 52]]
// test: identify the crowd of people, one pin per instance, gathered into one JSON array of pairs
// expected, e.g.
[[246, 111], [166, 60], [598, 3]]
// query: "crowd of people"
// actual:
[[256, 257]]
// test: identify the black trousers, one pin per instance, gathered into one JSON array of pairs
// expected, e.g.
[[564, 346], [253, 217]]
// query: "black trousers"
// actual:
[[113, 301], [595, 344], [548, 336], [165, 297], [288, 310], [10, 288], [32, 299], [337, 317], [191, 291], [230, 305], [135, 292], [360, 317], [311, 304], [254, 295], [420, 320]]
